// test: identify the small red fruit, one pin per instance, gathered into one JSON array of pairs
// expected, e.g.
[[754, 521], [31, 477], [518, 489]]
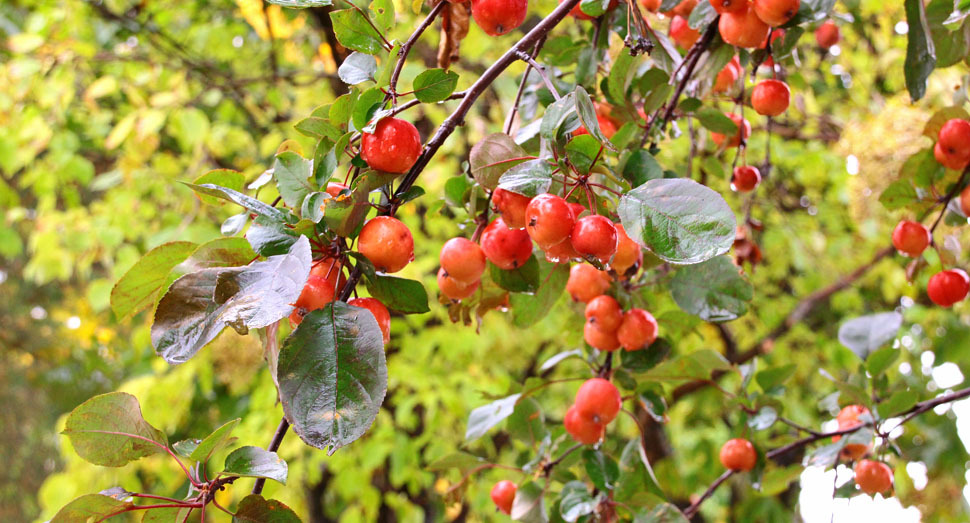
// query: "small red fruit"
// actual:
[[316, 294], [949, 161], [604, 312], [548, 220], [334, 189], [743, 29], [775, 12], [380, 313], [503, 494], [594, 236], [827, 34], [463, 260], [911, 238], [387, 243], [506, 248], [728, 77], [628, 252], [329, 268], [600, 339], [637, 330], [454, 289], [561, 252], [586, 282], [578, 13], [746, 178], [965, 200], [873, 477], [770, 97], [606, 125], [393, 147], [583, 429], [744, 131], [948, 287], [651, 5], [599, 400], [511, 206], [729, 6], [497, 17], [954, 139], [683, 9], [849, 418], [738, 454], [682, 34]]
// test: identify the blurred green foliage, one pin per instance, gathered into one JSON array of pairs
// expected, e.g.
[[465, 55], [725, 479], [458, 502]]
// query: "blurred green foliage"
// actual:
[[106, 106]]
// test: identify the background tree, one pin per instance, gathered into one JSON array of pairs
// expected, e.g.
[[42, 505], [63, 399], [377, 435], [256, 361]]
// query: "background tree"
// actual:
[[106, 106]]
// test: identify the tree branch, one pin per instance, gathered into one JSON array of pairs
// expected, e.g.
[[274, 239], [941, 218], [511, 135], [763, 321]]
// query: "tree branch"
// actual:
[[274, 445]]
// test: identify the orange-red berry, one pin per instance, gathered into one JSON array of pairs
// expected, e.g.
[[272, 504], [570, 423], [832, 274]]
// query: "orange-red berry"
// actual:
[[393, 147], [911, 238], [511, 206], [873, 477], [770, 97], [599, 400], [506, 248], [463, 260], [380, 313], [746, 178], [497, 17], [739, 455], [948, 287], [387, 243], [503, 495], [637, 330], [586, 282], [582, 428]]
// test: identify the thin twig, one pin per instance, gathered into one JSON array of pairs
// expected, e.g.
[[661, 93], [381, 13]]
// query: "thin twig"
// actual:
[[402, 55], [274, 445]]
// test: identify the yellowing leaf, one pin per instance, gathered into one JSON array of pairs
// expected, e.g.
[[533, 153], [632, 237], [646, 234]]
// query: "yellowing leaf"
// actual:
[[121, 131]]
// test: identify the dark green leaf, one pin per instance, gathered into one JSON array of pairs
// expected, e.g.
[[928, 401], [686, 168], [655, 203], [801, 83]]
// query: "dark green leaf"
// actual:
[[529, 178], [695, 365], [560, 118], [520, 279], [530, 308], [269, 238], [920, 52], [313, 205], [645, 359], [434, 85], [679, 220], [332, 375], [898, 195], [399, 294], [252, 204], [199, 305], [366, 109], [587, 115], [865, 334], [716, 121], [582, 151], [222, 177], [109, 430], [641, 167], [353, 32], [898, 403], [218, 440], [292, 173], [601, 469], [526, 423], [770, 378], [138, 287], [254, 462], [701, 16], [255, 509], [458, 460], [713, 290], [575, 501], [880, 360]]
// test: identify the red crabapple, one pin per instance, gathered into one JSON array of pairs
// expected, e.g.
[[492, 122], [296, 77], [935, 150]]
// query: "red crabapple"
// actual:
[[561, 252], [599, 400], [548, 220], [682, 9], [604, 312], [387, 243], [334, 189], [746, 178], [770, 97], [775, 12], [911, 238], [954, 139], [511, 206], [628, 252], [594, 236], [743, 29], [965, 200], [497, 17], [729, 6], [329, 268], [463, 260], [651, 5], [316, 294], [948, 287], [600, 339], [454, 289], [393, 147], [849, 418], [744, 131], [728, 76], [606, 125], [827, 34], [583, 429], [738, 454], [873, 477], [949, 161], [380, 313], [503, 494], [682, 34], [586, 282], [506, 248], [637, 330]]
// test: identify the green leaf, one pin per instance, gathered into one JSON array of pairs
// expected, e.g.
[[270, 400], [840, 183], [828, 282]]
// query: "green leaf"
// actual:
[[90, 507], [434, 85], [527, 309], [255, 509], [109, 430], [587, 115], [594, 7], [662, 513], [880, 360], [399, 294], [166, 515], [933, 126], [641, 167], [186, 447], [576, 501], [333, 375], [920, 52], [218, 440], [520, 279], [483, 418], [529, 504], [357, 68], [458, 460], [898, 403], [692, 366], [560, 118], [621, 75], [679, 220], [139, 286], [763, 419], [354, 32], [713, 290], [775, 479], [582, 151], [292, 173], [701, 16], [312, 207], [270, 238], [527, 423], [366, 109], [223, 177], [200, 304], [950, 46], [898, 195], [601, 469], [645, 359], [239, 198], [492, 156], [383, 15], [529, 178], [865, 334], [254, 462], [715, 121], [768, 379]]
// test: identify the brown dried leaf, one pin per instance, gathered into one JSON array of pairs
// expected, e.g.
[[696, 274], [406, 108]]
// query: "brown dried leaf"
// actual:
[[454, 27]]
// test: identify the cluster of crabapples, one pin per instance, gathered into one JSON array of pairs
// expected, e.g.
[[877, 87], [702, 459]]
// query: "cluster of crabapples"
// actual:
[[911, 238], [386, 242]]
